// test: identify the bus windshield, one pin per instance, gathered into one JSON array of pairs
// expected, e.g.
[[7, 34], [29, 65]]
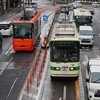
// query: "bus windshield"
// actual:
[[82, 20], [64, 51], [22, 30]]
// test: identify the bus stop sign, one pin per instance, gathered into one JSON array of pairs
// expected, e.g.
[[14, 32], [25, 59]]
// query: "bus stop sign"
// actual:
[[45, 18]]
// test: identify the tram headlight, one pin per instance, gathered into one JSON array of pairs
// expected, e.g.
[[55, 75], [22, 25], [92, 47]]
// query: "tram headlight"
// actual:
[[71, 68], [57, 68]]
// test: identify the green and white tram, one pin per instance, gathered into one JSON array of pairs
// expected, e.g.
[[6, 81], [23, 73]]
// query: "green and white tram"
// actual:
[[64, 51]]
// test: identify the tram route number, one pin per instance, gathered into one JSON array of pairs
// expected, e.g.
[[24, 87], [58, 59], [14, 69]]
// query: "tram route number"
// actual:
[[64, 69]]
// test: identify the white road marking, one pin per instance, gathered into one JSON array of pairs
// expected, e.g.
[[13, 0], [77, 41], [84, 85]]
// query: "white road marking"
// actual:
[[8, 50], [64, 93], [86, 58], [97, 19], [84, 62], [60, 98]]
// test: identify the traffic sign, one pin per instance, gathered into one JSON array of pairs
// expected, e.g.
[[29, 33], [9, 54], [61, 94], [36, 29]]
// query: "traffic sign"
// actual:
[[45, 18]]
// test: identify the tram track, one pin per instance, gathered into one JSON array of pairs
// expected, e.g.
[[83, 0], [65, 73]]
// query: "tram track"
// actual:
[[65, 90]]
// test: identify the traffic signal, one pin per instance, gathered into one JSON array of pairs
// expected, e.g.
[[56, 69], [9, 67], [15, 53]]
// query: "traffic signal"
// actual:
[[45, 40]]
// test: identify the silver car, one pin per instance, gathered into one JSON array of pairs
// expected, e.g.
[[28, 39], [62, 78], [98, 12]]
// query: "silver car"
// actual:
[[95, 4], [6, 28]]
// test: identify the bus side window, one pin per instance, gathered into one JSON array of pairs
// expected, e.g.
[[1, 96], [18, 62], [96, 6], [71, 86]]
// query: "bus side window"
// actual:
[[33, 30]]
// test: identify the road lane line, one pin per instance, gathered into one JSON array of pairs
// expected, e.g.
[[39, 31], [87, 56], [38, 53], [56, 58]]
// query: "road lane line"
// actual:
[[8, 50], [97, 19], [64, 93]]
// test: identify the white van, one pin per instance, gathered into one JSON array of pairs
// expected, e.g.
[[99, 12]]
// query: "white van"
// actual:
[[6, 28], [86, 35], [93, 79]]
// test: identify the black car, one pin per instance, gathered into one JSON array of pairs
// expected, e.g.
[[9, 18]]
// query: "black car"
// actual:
[[1, 40]]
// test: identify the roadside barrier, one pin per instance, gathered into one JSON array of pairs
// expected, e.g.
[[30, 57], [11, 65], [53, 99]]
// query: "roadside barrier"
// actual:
[[31, 77], [31, 73], [41, 67], [27, 85]]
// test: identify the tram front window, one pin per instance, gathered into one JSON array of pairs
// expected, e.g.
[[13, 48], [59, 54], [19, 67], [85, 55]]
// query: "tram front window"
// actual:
[[65, 54], [22, 31]]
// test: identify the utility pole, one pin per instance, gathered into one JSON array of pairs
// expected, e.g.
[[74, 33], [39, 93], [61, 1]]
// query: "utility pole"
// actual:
[[8, 1], [2, 7]]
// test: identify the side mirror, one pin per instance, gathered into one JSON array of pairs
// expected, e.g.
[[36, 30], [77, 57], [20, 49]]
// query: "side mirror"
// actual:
[[87, 80]]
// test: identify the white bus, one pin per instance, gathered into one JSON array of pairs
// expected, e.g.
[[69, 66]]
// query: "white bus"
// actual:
[[82, 17], [64, 51]]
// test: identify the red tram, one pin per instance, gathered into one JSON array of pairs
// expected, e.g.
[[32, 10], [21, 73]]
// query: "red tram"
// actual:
[[26, 30]]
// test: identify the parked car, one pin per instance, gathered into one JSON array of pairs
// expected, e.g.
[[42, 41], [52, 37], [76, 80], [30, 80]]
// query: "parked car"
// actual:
[[6, 28], [91, 9]]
